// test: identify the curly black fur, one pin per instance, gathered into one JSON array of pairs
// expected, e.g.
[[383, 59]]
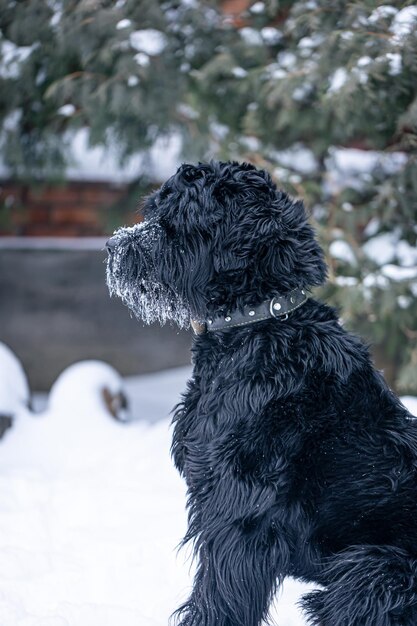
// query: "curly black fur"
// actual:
[[299, 459]]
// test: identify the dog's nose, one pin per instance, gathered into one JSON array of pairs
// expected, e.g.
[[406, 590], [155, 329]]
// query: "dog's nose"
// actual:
[[110, 244]]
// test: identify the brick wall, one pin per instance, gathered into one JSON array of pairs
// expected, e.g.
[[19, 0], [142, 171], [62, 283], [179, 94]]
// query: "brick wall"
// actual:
[[234, 8], [70, 210]]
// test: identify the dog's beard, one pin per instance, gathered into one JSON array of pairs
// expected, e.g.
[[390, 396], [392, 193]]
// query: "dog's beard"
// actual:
[[131, 275]]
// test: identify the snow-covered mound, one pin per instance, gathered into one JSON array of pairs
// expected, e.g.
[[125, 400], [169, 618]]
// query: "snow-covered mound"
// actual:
[[88, 389], [91, 510], [14, 388]]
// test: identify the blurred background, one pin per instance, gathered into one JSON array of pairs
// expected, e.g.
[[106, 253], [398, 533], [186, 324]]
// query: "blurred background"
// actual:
[[101, 101]]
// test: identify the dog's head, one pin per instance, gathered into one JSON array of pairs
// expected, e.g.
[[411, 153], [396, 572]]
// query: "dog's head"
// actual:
[[215, 236]]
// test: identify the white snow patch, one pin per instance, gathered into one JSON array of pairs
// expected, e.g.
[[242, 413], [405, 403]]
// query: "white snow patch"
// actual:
[[338, 79], [257, 8], [97, 163], [148, 40], [406, 253], [273, 70], [219, 131], [271, 35], [132, 81], [354, 161], [302, 91], [142, 59], [384, 11], [399, 273], [385, 247], [404, 23], [86, 380], [375, 279], [306, 42], [341, 250], [239, 72], [11, 58], [287, 59], [382, 248], [123, 24], [372, 227], [57, 15], [188, 111], [66, 110], [12, 119], [251, 143], [346, 281], [298, 158], [404, 301], [251, 36], [394, 63]]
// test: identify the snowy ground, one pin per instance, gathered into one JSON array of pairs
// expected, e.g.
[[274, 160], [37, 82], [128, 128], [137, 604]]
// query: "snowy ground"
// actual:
[[92, 510]]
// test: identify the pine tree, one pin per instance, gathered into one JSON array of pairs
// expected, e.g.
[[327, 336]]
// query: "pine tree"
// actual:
[[322, 94], [325, 95], [120, 69]]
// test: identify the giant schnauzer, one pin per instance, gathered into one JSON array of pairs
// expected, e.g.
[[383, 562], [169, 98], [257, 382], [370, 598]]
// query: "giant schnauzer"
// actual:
[[299, 459]]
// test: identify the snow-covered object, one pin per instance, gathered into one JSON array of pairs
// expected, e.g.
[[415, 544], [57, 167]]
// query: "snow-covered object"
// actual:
[[404, 23], [11, 56], [14, 387], [338, 80], [341, 250], [86, 390], [353, 160], [96, 163], [383, 12], [350, 167], [395, 63], [258, 7], [123, 24], [251, 36], [385, 247], [66, 110], [148, 40], [297, 157]]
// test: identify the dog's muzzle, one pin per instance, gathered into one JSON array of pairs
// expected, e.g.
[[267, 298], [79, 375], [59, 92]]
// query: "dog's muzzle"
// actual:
[[111, 244]]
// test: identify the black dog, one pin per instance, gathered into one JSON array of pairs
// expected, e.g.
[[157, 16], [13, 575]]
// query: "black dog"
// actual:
[[299, 460]]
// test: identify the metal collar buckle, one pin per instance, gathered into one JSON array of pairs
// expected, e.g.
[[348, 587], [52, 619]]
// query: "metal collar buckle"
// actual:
[[275, 307]]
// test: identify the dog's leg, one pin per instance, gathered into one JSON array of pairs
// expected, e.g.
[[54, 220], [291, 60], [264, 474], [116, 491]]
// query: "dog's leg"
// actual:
[[239, 570], [366, 586]]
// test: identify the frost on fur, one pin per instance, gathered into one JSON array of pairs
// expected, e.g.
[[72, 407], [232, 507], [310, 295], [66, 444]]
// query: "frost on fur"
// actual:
[[131, 275]]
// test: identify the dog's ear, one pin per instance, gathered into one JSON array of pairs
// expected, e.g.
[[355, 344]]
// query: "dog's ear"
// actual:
[[291, 245], [301, 243], [275, 243]]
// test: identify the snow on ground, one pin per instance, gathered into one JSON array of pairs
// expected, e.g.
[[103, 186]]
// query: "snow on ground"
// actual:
[[92, 510]]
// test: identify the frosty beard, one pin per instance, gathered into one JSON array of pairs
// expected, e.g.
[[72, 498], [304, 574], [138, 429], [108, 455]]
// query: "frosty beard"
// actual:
[[132, 275]]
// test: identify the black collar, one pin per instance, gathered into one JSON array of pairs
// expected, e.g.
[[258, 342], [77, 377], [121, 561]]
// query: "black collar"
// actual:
[[278, 307]]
